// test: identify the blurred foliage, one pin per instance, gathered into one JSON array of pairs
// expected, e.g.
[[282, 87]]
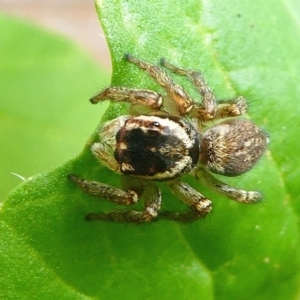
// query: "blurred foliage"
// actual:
[[45, 116], [239, 251]]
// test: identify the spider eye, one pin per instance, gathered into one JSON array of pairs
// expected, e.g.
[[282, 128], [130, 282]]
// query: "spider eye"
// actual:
[[155, 124]]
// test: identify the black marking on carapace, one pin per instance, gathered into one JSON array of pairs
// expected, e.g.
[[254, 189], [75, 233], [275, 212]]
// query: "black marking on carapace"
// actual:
[[143, 152], [194, 152]]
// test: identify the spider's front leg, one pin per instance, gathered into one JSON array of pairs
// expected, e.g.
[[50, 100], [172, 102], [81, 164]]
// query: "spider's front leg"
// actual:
[[209, 108], [133, 96], [181, 98], [198, 204], [118, 196]]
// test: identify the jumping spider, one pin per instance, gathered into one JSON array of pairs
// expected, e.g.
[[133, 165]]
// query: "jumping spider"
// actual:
[[162, 146]]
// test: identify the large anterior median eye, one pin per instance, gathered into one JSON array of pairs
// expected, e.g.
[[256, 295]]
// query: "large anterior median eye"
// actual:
[[155, 124]]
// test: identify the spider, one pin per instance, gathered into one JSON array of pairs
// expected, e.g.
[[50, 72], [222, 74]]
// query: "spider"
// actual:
[[171, 140]]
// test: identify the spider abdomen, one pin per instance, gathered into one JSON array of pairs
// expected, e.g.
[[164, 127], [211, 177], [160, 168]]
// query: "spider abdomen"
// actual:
[[232, 147]]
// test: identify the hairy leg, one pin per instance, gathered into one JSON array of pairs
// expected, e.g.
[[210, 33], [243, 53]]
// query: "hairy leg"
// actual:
[[133, 96], [151, 205], [231, 192], [207, 109], [183, 101], [198, 204]]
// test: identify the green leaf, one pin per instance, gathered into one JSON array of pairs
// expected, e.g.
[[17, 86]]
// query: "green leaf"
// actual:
[[239, 251]]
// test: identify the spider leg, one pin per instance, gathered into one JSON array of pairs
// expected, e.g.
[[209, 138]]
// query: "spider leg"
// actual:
[[198, 204], [183, 101], [231, 192], [151, 205], [133, 96], [207, 109], [105, 191], [231, 108]]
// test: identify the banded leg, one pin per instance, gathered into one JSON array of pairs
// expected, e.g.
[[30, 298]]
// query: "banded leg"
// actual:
[[231, 108], [199, 205], [207, 109], [133, 96], [231, 192], [176, 93], [105, 191], [151, 206]]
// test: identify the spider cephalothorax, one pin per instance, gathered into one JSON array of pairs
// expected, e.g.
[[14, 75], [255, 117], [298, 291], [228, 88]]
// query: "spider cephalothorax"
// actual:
[[153, 147], [161, 146]]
